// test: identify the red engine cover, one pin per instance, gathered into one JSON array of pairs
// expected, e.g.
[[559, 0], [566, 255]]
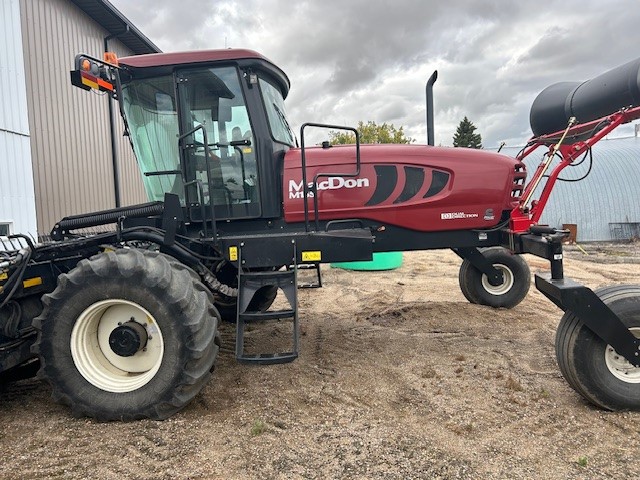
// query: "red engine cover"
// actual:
[[418, 187]]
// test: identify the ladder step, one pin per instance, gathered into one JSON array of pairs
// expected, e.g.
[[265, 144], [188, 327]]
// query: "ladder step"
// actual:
[[303, 266], [275, 274], [271, 315], [317, 283], [248, 285], [268, 358]]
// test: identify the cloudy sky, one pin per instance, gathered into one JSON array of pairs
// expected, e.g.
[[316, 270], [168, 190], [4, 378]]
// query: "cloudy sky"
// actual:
[[351, 60]]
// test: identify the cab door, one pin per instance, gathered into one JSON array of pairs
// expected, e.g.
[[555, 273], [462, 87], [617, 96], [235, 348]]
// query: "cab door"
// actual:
[[217, 147]]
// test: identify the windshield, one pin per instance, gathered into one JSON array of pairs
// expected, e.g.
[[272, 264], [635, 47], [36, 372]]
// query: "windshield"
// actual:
[[224, 172], [274, 103]]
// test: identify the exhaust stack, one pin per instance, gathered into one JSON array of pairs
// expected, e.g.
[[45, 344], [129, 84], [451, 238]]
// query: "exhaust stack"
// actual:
[[429, 91]]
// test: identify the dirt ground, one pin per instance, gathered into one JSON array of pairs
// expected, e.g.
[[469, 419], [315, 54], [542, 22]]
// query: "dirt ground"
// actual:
[[398, 378]]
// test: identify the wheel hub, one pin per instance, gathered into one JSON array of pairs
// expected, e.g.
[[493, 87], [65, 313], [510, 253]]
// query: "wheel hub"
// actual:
[[128, 339], [619, 366], [504, 286], [116, 356]]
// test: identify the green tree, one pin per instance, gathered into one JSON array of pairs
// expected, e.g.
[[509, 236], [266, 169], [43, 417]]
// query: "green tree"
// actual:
[[371, 133], [465, 136]]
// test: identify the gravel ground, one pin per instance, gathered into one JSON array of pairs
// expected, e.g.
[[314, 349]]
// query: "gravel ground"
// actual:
[[399, 377]]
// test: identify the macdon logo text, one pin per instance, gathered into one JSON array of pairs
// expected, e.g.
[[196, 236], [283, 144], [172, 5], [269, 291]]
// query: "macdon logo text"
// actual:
[[331, 183]]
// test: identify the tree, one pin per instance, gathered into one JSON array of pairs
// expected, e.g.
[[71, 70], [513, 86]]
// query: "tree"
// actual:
[[465, 137], [371, 133]]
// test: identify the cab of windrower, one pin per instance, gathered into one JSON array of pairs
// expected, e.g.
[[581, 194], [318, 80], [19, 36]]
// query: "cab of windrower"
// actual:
[[208, 126]]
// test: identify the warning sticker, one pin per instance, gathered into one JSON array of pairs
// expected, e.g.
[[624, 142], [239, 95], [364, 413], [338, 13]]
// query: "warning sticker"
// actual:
[[314, 256]]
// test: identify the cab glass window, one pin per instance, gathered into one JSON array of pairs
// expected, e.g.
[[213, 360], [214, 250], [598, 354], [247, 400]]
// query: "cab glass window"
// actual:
[[150, 110], [226, 166], [274, 104]]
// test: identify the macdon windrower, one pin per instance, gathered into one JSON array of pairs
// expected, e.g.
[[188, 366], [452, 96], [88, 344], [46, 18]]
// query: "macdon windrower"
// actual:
[[123, 321]]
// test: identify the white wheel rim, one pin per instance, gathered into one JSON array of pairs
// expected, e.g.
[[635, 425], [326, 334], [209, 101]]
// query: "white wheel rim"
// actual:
[[98, 363], [505, 286], [620, 366]]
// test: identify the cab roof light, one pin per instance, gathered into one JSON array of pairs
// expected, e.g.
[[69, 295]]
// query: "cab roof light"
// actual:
[[111, 58]]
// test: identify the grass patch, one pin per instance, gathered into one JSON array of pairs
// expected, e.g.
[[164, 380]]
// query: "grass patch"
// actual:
[[582, 461], [543, 394], [258, 428]]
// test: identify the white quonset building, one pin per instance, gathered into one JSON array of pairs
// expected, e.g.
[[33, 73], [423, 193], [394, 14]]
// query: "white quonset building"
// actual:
[[605, 205], [57, 157]]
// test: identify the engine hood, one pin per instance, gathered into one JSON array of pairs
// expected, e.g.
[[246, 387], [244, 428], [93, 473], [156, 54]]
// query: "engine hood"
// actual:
[[392, 152], [413, 186]]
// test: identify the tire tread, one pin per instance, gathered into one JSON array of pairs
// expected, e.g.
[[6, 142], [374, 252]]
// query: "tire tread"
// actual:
[[178, 285]]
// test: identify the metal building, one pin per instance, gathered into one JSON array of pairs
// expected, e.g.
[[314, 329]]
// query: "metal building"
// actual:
[[57, 157], [17, 202], [604, 205]]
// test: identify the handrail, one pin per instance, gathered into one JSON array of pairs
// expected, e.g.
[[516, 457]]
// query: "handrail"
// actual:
[[207, 152], [314, 185]]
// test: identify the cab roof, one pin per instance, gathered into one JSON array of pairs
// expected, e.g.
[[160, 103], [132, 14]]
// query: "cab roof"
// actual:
[[246, 57], [196, 56]]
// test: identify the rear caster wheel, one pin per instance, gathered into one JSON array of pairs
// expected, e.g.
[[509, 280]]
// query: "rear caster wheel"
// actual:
[[594, 369], [516, 277]]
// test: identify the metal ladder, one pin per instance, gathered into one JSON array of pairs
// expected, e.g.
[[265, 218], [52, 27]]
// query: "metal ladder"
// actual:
[[309, 283], [248, 284]]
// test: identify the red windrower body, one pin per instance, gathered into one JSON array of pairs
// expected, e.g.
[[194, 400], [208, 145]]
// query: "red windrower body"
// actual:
[[417, 187]]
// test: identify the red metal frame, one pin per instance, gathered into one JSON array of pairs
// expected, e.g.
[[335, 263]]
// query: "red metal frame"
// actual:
[[573, 146]]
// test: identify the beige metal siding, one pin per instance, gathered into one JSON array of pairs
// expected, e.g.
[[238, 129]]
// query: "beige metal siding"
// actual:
[[69, 127]]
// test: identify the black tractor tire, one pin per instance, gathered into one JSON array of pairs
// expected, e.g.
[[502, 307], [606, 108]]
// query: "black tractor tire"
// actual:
[[467, 282], [100, 297], [227, 274], [593, 368], [517, 280], [260, 302], [28, 369]]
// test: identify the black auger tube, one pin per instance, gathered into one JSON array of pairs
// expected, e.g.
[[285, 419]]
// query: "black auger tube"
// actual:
[[603, 95]]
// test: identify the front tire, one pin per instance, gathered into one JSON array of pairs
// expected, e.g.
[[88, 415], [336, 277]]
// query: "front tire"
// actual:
[[516, 274], [594, 369], [127, 334]]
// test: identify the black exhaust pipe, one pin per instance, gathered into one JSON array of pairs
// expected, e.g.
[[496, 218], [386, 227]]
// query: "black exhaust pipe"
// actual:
[[429, 89], [603, 95]]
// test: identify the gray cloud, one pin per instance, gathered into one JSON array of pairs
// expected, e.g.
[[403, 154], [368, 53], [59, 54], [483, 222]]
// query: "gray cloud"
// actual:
[[369, 59]]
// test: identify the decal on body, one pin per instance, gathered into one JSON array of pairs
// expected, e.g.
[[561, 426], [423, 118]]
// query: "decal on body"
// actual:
[[331, 183], [457, 215]]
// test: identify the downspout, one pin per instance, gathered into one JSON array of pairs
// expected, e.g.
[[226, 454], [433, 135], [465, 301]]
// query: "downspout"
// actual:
[[112, 129]]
